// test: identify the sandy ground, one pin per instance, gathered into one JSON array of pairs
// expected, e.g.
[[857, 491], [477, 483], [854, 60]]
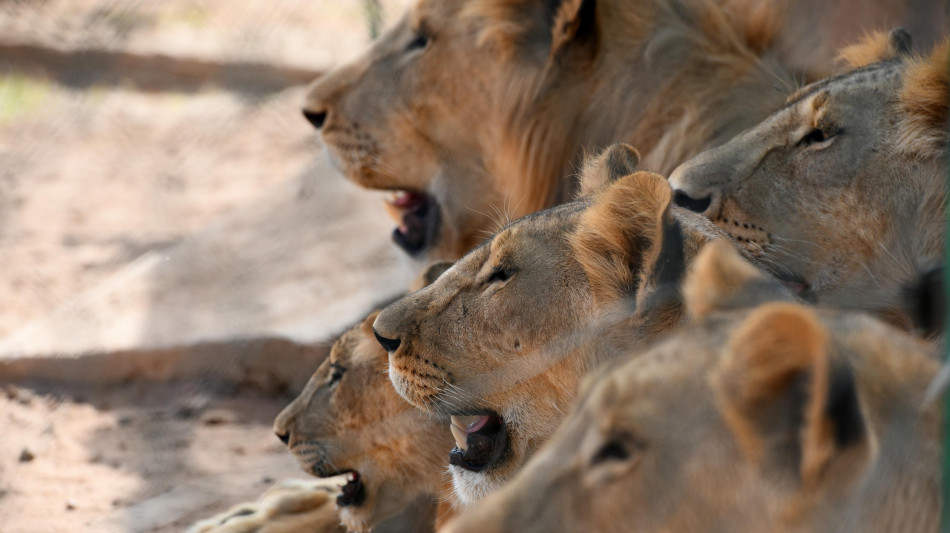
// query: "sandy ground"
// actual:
[[133, 457], [92, 181]]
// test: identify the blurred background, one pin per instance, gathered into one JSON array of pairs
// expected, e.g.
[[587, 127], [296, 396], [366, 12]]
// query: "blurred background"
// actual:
[[169, 236]]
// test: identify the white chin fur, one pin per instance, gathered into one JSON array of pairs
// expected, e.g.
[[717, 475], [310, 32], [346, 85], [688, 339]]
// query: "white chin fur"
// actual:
[[398, 383], [471, 487]]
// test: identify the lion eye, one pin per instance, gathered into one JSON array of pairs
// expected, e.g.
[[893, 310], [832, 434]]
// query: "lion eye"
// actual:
[[500, 274], [816, 136], [336, 373], [420, 41], [612, 450]]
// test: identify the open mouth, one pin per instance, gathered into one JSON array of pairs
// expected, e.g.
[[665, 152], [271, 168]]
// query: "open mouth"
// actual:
[[352, 491], [418, 216], [480, 441]]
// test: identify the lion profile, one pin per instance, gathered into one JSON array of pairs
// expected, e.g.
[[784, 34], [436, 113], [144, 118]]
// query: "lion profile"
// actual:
[[472, 111], [349, 421], [761, 414], [841, 192], [498, 341]]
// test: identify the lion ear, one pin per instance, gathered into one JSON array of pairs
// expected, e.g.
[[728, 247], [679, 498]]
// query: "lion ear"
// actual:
[[721, 279], [543, 27], [876, 47], [616, 161], [622, 231], [573, 19], [430, 274], [786, 404]]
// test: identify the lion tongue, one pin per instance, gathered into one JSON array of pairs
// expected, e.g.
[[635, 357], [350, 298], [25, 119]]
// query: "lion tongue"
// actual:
[[461, 426]]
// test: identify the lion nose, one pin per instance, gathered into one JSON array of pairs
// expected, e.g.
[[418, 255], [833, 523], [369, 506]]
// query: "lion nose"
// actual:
[[284, 437], [317, 118], [699, 205], [390, 345]]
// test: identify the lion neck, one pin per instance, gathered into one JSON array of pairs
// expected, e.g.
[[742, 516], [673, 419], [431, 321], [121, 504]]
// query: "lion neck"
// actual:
[[687, 81]]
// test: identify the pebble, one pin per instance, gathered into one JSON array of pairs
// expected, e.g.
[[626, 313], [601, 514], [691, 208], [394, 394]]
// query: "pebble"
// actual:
[[26, 455]]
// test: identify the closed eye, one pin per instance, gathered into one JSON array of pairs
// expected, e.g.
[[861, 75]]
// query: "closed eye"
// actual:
[[500, 274]]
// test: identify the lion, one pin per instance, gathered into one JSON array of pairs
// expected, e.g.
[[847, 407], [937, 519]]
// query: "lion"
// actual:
[[495, 341], [760, 414], [841, 192], [475, 111], [349, 421]]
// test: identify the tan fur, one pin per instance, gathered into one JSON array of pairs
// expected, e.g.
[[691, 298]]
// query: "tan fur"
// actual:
[[774, 417], [617, 232], [616, 161], [475, 343], [841, 192], [495, 113], [359, 423], [289, 507], [924, 99], [776, 344], [717, 277], [873, 48]]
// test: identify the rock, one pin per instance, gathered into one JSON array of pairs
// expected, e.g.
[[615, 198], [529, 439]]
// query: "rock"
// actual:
[[26, 455]]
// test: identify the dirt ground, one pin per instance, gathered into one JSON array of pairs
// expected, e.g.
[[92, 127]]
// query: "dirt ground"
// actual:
[[133, 457], [94, 177]]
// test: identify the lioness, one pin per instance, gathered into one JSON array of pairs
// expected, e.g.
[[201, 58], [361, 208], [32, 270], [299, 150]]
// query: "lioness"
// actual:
[[495, 341], [477, 110], [349, 420], [841, 192], [775, 418]]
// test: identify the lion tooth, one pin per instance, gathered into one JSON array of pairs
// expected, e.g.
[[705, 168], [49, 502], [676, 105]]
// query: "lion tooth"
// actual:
[[461, 437]]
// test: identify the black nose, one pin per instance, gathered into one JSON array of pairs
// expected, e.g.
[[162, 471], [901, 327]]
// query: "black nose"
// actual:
[[284, 437], [390, 345], [317, 118], [699, 205]]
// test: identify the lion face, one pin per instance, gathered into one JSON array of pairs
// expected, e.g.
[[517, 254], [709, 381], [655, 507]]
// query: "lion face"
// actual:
[[503, 291], [771, 418], [493, 341], [840, 192], [349, 419], [401, 118]]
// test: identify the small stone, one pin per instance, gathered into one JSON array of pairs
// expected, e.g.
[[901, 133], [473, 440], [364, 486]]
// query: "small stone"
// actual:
[[267, 480], [125, 420], [70, 505], [26, 455], [217, 417]]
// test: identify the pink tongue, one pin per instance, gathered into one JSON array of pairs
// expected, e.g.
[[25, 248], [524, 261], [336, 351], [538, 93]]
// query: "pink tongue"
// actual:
[[477, 425], [408, 200]]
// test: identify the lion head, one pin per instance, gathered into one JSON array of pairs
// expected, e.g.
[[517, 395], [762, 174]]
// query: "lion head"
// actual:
[[349, 420], [479, 111], [760, 415], [493, 341], [841, 192]]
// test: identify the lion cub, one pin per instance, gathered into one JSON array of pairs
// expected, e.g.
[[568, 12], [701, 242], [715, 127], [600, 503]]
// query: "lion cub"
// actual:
[[496, 341], [841, 192], [776, 417]]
